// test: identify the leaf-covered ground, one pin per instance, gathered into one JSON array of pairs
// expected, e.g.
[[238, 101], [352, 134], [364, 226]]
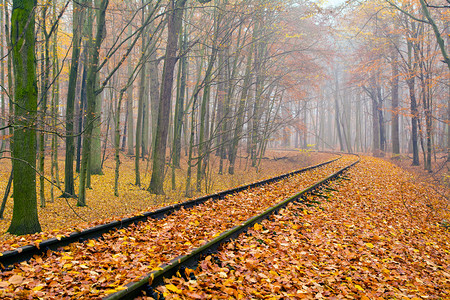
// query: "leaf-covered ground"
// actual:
[[380, 236], [59, 218], [95, 268]]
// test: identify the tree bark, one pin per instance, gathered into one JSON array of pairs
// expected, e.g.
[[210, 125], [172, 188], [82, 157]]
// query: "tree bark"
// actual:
[[159, 152], [91, 101], [25, 217], [78, 20], [395, 108]]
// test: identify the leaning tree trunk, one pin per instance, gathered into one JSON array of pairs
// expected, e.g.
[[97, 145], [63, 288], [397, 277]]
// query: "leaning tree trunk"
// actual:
[[25, 217]]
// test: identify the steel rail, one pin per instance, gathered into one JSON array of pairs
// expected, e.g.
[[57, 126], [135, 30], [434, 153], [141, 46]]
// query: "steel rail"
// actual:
[[167, 270], [27, 252]]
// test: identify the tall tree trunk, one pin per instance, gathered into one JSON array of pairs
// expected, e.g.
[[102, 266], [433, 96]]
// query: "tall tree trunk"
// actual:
[[179, 106], [240, 112], [54, 106], [78, 20], [381, 120], [145, 120], [337, 112], [188, 191], [204, 118], [130, 119], [159, 152], [395, 108], [25, 218], [2, 73], [139, 123], [91, 95], [414, 118], [95, 164], [117, 142], [154, 95], [45, 56], [81, 112]]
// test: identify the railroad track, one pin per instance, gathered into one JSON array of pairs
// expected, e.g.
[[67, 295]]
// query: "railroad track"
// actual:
[[149, 282], [25, 253], [95, 268]]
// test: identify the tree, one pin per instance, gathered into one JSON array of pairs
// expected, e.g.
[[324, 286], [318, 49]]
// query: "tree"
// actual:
[[159, 151], [25, 218], [92, 93], [78, 19]]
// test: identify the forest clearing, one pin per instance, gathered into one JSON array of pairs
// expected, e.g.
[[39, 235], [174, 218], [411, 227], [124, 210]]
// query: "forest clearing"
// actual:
[[224, 149]]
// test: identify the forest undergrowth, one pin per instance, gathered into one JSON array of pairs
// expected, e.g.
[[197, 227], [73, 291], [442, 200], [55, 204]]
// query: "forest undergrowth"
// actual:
[[380, 235], [63, 216]]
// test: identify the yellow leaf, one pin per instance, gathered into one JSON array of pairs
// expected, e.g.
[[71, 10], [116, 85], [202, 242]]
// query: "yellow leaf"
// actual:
[[67, 257], [358, 287], [38, 288], [173, 288], [257, 227], [90, 243], [370, 245]]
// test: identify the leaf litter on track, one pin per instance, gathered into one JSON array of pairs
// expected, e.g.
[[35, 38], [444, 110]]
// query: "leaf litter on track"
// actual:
[[96, 268], [379, 236]]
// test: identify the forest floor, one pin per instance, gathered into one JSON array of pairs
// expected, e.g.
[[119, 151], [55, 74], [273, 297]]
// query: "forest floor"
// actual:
[[440, 174], [63, 216], [382, 234]]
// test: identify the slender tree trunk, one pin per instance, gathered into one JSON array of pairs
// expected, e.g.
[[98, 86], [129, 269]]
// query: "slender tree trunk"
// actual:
[[145, 120], [179, 106], [381, 121], [414, 119], [395, 108], [204, 118], [95, 164], [159, 152], [130, 123], [139, 124], [81, 112], [43, 102], [54, 105], [78, 20], [25, 218], [2, 74], [6, 195], [188, 191], [91, 101], [337, 112], [154, 95], [240, 113], [117, 143]]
